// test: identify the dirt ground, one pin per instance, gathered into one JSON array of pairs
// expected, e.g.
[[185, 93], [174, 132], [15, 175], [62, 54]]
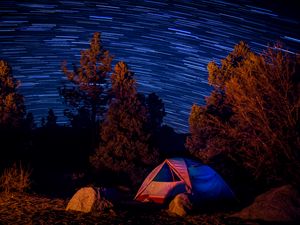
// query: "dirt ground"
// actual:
[[22, 208], [16, 208]]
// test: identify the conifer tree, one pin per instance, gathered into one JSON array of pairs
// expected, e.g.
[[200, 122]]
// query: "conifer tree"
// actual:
[[12, 108], [252, 114], [124, 145], [156, 111], [51, 119], [43, 122], [29, 121], [88, 91]]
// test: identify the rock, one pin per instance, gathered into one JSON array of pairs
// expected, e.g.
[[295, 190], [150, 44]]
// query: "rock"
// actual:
[[83, 200], [180, 205], [88, 200], [277, 205]]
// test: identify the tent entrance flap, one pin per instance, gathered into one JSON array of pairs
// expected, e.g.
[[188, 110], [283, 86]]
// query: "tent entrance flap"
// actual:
[[166, 174]]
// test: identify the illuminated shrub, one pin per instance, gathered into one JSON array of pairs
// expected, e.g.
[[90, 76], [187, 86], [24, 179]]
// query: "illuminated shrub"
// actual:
[[15, 178]]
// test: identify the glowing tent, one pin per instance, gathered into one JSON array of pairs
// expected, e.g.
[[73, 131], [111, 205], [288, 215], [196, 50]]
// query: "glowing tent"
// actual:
[[182, 175]]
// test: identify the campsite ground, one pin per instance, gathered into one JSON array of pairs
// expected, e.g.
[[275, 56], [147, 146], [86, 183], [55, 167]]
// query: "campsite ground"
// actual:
[[34, 209], [23, 208]]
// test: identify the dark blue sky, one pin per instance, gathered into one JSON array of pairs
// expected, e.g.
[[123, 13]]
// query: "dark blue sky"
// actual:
[[166, 43]]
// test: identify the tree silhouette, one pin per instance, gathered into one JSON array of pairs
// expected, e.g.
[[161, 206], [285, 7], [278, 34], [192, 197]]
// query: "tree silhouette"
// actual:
[[82, 119], [12, 108], [156, 111], [29, 121], [252, 115], [124, 145], [88, 91], [51, 119], [43, 122]]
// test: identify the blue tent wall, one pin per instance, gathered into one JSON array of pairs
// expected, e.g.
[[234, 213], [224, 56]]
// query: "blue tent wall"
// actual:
[[207, 184]]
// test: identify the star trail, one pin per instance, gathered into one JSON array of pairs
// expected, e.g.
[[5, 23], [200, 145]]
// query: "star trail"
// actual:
[[166, 43]]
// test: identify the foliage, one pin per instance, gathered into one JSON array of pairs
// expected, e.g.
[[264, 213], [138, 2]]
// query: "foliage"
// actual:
[[88, 91], [12, 108], [252, 114], [156, 111], [124, 145], [15, 178]]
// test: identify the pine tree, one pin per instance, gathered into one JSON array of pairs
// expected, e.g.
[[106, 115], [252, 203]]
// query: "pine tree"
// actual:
[[88, 91], [43, 122], [124, 145], [51, 119], [29, 121], [252, 115], [12, 108], [156, 111]]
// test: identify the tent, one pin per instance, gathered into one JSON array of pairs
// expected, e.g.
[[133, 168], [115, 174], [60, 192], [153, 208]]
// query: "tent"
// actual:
[[182, 175]]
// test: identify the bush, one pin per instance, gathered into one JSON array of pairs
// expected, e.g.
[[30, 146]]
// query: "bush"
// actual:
[[15, 178]]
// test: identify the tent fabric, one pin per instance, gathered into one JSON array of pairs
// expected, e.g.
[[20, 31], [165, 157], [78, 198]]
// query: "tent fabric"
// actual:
[[182, 175], [159, 191], [179, 165], [148, 180]]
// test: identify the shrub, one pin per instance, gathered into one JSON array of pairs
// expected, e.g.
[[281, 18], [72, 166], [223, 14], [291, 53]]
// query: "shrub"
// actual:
[[15, 178]]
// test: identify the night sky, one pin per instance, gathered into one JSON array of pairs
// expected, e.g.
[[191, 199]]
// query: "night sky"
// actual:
[[166, 43]]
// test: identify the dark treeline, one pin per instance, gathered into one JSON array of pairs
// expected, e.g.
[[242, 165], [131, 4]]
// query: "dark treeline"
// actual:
[[116, 134], [248, 129]]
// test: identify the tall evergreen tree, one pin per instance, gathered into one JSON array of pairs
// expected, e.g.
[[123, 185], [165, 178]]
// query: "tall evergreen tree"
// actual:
[[12, 108], [88, 89], [124, 145], [252, 115]]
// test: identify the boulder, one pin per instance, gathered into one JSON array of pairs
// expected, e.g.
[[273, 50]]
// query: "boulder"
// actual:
[[277, 205], [180, 205], [88, 200]]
